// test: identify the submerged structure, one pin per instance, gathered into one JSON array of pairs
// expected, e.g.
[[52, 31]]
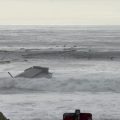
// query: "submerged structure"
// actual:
[[36, 72]]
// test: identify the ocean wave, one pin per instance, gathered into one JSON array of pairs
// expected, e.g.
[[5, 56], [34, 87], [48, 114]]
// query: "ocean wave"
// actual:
[[58, 53], [62, 84]]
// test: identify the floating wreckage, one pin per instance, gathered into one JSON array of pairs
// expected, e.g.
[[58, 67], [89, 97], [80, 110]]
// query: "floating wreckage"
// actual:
[[77, 116], [34, 72]]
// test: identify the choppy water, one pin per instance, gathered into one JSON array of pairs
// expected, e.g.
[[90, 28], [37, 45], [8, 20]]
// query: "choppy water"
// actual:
[[68, 76], [79, 79]]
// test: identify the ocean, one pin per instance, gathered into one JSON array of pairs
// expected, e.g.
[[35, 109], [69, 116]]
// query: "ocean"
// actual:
[[85, 64]]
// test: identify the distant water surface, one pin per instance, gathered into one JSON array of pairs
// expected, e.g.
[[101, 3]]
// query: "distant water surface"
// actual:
[[90, 37]]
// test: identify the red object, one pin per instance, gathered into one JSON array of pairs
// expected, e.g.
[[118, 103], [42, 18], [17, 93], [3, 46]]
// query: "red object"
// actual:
[[77, 116]]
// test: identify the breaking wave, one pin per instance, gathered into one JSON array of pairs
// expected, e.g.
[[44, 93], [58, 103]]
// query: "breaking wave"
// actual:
[[22, 54], [62, 84]]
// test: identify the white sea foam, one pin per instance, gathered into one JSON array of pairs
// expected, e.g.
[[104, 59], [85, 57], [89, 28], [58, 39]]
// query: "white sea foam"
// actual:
[[64, 84]]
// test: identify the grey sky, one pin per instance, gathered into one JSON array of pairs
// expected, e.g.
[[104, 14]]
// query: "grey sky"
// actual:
[[82, 12]]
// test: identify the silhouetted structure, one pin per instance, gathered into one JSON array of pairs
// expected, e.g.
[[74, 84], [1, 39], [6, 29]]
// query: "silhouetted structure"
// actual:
[[77, 116]]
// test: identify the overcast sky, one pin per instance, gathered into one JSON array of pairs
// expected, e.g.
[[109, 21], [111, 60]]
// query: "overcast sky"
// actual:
[[55, 12]]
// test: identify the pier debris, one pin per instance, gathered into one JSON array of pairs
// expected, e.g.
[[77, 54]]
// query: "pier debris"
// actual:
[[35, 72]]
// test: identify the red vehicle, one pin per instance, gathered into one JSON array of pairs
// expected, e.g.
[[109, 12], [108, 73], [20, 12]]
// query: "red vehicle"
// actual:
[[77, 116]]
